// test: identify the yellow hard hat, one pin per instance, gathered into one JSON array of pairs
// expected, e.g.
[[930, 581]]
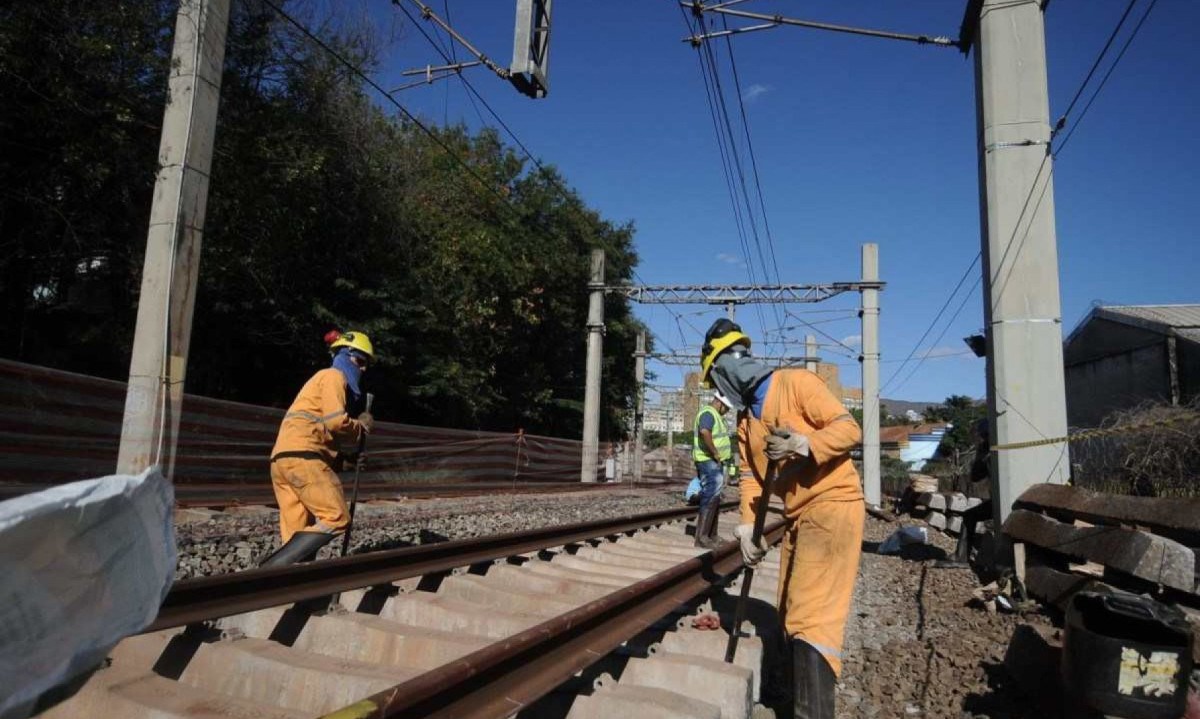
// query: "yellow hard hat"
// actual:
[[355, 341], [715, 345]]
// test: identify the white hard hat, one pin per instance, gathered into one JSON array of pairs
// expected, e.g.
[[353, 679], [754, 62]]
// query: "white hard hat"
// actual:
[[722, 399]]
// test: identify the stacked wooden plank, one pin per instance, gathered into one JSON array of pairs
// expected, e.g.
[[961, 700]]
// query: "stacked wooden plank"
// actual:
[[1068, 540], [944, 510]]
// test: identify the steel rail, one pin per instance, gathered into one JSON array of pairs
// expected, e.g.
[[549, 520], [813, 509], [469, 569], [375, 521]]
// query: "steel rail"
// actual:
[[206, 598], [502, 678]]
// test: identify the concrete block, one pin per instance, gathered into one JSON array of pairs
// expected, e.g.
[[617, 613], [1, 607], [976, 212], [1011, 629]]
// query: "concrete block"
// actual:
[[477, 590], [422, 609], [711, 680], [712, 645], [954, 524], [956, 502], [1144, 555], [116, 693], [634, 701], [937, 520], [266, 672]]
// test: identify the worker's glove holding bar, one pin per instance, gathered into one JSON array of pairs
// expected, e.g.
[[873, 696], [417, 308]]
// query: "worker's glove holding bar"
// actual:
[[783, 443], [367, 420], [751, 553]]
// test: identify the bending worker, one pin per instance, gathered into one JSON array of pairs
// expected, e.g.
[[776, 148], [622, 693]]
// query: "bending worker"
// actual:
[[322, 427], [789, 417], [711, 451]]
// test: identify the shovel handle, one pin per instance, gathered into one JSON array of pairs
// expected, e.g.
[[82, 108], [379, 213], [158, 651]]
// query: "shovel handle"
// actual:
[[760, 521], [362, 445]]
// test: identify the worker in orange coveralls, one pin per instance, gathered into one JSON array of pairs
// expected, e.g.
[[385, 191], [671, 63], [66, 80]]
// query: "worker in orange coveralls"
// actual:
[[790, 417], [324, 426]]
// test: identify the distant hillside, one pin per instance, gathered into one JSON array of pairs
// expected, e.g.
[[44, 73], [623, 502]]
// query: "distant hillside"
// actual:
[[899, 406]]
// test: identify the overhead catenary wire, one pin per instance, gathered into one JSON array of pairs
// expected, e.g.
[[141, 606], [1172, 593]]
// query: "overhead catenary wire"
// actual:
[[1051, 152], [1103, 51], [473, 94], [713, 100], [1108, 74]]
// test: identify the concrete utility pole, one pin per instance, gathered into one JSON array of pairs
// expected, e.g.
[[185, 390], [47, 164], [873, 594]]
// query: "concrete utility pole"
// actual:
[[1026, 395], [154, 396], [810, 351], [639, 373], [870, 374], [670, 442], [595, 352]]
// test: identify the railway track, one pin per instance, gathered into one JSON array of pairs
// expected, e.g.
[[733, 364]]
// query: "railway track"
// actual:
[[582, 621]]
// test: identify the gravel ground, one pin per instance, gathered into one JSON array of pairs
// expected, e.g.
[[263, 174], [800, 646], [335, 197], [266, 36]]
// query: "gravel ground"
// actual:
[[916, 646], [238, 539]]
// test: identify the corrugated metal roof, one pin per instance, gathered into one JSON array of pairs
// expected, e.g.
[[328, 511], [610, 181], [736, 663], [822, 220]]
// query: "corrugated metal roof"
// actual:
[[1163, 316], [1191, 335]]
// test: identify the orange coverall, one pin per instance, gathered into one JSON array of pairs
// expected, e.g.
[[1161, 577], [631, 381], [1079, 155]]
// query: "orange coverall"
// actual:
[[307, 489], [823, 502]]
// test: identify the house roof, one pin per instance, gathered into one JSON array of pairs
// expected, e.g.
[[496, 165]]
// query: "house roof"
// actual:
[[1179, 320]]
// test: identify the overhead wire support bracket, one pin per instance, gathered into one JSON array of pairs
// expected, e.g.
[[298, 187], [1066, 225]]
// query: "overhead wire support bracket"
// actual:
[[737, 294], [678, 360], [427, 13], [433, 73], [771, 21]]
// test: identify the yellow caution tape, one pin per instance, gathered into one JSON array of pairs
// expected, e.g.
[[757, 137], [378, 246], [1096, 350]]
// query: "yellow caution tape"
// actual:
[[1100, 432]]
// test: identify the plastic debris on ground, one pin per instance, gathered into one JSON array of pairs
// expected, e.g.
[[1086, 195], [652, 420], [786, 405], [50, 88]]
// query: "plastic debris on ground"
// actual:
[[85, 565], [903, 537]]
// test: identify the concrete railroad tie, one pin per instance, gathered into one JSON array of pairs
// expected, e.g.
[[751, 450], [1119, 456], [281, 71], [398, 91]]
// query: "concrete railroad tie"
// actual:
[[266, 664]]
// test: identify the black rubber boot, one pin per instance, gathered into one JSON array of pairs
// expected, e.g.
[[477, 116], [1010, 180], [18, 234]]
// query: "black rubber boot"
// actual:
[[712, 525], [706, 522], [302, 547], [813, 682]]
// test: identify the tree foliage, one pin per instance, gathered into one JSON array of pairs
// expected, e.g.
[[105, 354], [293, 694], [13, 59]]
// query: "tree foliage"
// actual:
[[324, 211], [962, 413]]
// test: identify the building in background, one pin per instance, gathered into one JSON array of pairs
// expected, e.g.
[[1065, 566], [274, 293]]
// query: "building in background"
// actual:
[[1121, 356]]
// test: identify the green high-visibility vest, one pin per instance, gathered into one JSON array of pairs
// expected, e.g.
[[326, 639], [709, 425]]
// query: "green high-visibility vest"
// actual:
[[720, 436]]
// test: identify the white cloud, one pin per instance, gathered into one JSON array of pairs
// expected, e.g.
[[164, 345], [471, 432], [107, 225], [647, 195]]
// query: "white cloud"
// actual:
[[852, 340], [754, 92], [730, 259]]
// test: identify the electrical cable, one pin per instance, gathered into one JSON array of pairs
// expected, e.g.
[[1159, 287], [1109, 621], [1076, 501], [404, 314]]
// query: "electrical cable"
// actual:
[[1108, 74], [1071, 105]]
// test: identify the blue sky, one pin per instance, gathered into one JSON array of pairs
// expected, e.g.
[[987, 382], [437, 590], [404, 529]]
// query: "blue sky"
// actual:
[[857, 140]]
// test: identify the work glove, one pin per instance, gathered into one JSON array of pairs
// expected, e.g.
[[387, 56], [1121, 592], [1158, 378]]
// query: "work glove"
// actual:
[[751, 552], [784, 444], [367, 420]]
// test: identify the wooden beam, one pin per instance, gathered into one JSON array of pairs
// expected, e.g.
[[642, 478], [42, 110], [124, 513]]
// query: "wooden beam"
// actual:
[[1143, 555], [1176, 518]]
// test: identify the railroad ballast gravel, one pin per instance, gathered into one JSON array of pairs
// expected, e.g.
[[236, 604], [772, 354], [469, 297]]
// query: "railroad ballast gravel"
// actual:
[[240, 537]]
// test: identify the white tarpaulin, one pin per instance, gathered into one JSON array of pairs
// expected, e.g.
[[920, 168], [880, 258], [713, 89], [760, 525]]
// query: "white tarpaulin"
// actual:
[[82, 566]]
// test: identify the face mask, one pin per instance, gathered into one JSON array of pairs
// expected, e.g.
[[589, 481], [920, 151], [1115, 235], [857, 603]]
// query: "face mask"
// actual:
[[736, 377]]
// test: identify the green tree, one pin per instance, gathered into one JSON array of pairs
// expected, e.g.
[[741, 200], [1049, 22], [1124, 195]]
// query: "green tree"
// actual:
[[324, 211]]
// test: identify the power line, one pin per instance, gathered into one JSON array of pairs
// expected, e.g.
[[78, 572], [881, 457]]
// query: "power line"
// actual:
[[710, 94], [933, 322], [1108, 74], [357, 72], [549, 176], [1071, 105]]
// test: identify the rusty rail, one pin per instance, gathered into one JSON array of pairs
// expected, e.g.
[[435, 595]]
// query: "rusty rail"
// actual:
[[206, 598], [502, 678]]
